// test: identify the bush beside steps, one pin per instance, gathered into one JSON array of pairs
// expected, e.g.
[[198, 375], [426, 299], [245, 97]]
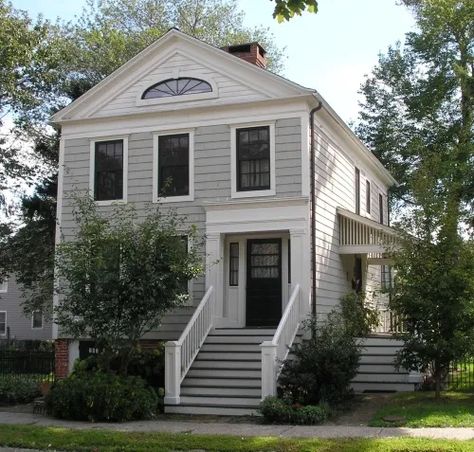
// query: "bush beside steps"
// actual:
[[278, 411]]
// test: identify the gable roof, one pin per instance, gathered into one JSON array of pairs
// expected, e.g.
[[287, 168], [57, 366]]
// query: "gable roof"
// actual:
[[175, 35]]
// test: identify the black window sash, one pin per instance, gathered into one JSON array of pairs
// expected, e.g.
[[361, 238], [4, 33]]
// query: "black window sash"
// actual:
[[253, 165], [173, 166], [108, 170], [357, 191]]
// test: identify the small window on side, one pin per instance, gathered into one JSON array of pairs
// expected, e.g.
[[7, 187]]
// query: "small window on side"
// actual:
[[233, 264], [37, 320], [367, 196], [357, 191], [381, 209]]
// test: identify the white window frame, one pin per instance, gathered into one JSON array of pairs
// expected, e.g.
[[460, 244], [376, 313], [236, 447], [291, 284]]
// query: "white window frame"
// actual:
[[4, 285], [6, 323], [233, 157], [125, 169], [32, 320], [156, 140]]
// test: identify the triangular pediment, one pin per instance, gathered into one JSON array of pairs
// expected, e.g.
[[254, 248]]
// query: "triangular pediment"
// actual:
[[178, 55]]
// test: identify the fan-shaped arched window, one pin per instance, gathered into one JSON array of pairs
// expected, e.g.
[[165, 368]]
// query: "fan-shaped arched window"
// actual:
[[177, 87]]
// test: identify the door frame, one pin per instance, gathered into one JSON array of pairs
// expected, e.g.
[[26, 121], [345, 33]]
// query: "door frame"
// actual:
[[235, 316]]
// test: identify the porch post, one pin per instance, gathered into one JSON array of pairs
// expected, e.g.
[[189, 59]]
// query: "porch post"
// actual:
[[214, 270], [172, 373], [269, 357], [299, 271]]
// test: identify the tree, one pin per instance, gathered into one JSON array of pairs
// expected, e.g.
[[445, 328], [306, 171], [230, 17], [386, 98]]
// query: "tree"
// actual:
[[69, 60], [418, 117], [286, 9], [418, 102], [120, 275]]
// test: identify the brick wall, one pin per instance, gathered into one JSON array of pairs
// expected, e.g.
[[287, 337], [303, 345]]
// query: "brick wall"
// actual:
[[61, 353]]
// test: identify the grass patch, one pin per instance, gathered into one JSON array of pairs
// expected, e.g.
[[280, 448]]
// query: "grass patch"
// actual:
[[105, 440], [421, 409]]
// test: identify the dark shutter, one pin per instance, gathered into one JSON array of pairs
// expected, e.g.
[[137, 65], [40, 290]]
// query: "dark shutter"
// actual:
[[357, 191], [368, 196]]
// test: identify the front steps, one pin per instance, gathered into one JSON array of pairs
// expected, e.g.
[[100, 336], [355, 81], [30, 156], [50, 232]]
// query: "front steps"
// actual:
[[377, 372], [225, 377]]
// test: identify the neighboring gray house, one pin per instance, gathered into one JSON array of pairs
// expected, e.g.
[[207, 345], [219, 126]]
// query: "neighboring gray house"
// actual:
[[293, 207], [14, 323]]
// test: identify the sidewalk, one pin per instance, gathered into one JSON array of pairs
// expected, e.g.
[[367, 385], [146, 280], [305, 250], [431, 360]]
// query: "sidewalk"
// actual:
[[243, 429]]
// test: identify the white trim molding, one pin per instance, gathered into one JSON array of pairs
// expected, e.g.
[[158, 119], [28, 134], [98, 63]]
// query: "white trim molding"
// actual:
[[233, 157], [170, 199], [93, 142]]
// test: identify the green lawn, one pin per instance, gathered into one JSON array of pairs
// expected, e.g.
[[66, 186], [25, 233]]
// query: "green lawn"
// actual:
[[103, 440], [421, 409]]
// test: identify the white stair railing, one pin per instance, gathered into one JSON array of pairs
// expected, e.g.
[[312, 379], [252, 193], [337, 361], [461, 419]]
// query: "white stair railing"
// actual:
[[277, 349], [180, 354]]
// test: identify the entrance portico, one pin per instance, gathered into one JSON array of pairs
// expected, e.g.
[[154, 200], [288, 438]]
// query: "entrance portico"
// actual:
[[256, 252]]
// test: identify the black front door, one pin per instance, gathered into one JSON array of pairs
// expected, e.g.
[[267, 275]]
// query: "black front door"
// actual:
[[263, 282]]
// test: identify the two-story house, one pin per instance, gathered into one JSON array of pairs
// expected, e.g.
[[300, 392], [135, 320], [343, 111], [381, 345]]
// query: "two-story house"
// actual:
[[292, 205]]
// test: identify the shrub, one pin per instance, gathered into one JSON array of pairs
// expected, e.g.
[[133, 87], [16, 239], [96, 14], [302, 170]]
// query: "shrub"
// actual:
[[279, 411], [324, 365], [99, 396], [18, 390]]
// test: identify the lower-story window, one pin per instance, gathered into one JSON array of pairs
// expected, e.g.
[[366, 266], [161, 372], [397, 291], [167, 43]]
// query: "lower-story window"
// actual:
[[37, 320], [3, 323]]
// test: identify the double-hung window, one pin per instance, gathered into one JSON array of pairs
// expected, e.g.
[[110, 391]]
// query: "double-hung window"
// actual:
[[37, 320], [173, 167], [3, 323], [253, 161], [109, 164]]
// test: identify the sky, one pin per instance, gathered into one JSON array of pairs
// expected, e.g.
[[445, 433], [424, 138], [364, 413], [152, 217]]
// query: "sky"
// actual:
[[330, 51]]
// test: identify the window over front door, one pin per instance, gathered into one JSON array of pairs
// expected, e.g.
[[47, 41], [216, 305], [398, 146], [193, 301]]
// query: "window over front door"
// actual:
[[109, 170], [253, 158]]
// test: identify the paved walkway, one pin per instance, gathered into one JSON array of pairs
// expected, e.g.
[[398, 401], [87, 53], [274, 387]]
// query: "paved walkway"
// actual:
[[243, 429]]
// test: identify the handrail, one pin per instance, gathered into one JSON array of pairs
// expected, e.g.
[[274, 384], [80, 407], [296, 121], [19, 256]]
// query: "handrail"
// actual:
[[200, 329], [180, 354], [277, 349]]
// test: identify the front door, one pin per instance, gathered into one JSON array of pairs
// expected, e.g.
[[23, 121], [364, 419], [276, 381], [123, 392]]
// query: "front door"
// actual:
[[264, 285]]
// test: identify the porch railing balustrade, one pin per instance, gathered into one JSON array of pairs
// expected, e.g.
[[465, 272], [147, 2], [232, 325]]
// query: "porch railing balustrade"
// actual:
[[180, 354], [276, 350], [389, 322]]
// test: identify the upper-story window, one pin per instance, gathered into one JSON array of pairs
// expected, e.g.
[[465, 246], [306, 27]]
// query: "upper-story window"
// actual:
[[367, 196], [176, 87], [173, 167], [253, 158], [357, 191], [4, 285], [37, 320], [381, 209], [109, 170]]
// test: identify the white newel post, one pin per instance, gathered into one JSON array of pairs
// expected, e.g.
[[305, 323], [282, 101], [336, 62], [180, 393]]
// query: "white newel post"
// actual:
[[172, 373], [269, 361]]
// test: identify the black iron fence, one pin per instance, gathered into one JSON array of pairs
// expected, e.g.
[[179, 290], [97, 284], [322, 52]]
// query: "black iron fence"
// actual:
[[461, 375], [27, 365]]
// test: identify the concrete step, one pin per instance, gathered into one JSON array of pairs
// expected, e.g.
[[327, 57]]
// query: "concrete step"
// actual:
[[218, 364], [211, 410], [220, 401], [234, 391], [223, 373], [222, 382], [236, 356]]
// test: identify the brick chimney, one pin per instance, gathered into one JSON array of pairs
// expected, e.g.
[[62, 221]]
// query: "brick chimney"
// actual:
[[252, 52]]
